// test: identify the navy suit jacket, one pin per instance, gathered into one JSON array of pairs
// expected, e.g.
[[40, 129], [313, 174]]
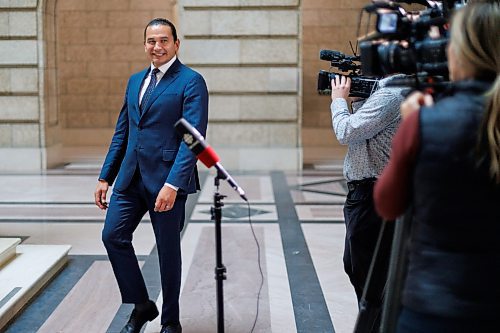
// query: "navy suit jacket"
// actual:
[[150, 142]]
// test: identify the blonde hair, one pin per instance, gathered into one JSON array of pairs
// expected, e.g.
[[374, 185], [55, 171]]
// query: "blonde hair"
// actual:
[[474, 34]]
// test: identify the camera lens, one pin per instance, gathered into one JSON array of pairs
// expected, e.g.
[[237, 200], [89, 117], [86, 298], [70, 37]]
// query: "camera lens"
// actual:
[[395, 58]]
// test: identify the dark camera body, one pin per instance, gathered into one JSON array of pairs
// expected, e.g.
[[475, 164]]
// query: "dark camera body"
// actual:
[[419, 53], [427, 56], [360, 86]]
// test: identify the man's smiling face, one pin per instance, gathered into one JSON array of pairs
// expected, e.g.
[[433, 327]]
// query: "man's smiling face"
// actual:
[[160, 45]]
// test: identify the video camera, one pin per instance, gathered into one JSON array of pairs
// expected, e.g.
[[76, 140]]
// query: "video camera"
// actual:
[[405, 44], [360, 86]]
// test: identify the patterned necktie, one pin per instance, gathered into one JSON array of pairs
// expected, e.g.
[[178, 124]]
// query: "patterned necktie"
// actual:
[[149, 90]]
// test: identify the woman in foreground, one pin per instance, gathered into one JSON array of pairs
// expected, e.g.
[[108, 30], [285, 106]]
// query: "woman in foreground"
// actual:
[[445, 162]]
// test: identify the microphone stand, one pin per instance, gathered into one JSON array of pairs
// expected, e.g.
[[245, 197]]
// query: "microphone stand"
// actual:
[[220, 269]]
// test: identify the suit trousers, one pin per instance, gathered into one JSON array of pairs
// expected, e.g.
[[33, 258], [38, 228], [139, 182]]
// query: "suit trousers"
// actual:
[[362, 229], [126, 209]]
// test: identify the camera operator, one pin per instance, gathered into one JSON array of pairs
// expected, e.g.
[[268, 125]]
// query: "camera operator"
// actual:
[[445, 162], [368, 132]]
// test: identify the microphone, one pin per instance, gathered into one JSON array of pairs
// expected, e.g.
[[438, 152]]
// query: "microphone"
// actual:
[[330, 55], [425, 3], [196, 143], [375, 5]]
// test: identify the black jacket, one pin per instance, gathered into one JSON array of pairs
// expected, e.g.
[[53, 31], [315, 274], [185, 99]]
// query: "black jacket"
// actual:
[[454, 262]]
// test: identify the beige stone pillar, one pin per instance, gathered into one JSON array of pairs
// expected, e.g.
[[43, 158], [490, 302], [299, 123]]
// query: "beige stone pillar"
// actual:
[[248, 51], [27, 87]]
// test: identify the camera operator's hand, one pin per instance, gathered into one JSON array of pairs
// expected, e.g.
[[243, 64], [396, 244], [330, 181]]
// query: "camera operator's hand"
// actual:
[[340, 87], [413, 103]]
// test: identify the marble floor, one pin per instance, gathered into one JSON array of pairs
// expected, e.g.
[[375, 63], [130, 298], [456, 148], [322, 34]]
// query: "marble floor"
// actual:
[[283, 254]]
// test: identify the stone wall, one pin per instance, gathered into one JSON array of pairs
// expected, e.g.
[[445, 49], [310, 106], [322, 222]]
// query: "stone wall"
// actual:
[[22, 73], [100, 44], [326, 25], [64, 66], [248, 52]]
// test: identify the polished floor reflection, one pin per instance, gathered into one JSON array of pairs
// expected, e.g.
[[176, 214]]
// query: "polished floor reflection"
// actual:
[[296, 219]]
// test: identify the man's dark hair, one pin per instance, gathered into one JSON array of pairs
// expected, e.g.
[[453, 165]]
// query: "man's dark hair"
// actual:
[[161, 21]]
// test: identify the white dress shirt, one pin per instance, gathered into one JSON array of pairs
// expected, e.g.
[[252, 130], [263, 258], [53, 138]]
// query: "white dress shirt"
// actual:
[[163, 69]]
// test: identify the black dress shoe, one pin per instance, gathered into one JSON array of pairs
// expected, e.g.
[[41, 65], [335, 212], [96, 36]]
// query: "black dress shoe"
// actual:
[[139, 318], [175, 328]]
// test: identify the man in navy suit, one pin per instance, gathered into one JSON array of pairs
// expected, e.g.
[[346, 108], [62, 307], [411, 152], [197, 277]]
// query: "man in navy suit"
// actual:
[[154, 173]]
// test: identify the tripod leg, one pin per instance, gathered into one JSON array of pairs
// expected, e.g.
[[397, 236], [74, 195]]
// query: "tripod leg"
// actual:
[[397, 273], [370, 304]]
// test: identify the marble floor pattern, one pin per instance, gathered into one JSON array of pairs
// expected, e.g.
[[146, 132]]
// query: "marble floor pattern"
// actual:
[[295, 218]]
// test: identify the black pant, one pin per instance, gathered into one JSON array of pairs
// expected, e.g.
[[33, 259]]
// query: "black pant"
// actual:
[[126, 209], [362, 230]]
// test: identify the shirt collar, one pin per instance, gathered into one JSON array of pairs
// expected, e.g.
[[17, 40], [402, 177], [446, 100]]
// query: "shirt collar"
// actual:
[[164, 68]]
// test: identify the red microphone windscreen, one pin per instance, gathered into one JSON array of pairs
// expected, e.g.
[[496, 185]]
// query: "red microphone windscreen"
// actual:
[[208, 157]]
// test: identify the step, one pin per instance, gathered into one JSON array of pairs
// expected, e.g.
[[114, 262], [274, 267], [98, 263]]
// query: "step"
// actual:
[[21, 278], [8, 249]]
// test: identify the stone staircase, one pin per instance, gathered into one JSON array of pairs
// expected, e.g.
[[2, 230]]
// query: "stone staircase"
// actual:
[[24, 270]]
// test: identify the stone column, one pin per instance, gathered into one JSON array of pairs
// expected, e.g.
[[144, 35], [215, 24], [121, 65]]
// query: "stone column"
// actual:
[[248, 52], [27, 87]]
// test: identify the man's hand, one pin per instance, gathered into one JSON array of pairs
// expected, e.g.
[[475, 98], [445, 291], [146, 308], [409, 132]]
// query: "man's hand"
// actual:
[[165, 199], [414, 102], [340, 87], [100, 194]]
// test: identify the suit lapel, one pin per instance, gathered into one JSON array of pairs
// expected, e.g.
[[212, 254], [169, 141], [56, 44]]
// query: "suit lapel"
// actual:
[[135, 89], [169, 77]]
